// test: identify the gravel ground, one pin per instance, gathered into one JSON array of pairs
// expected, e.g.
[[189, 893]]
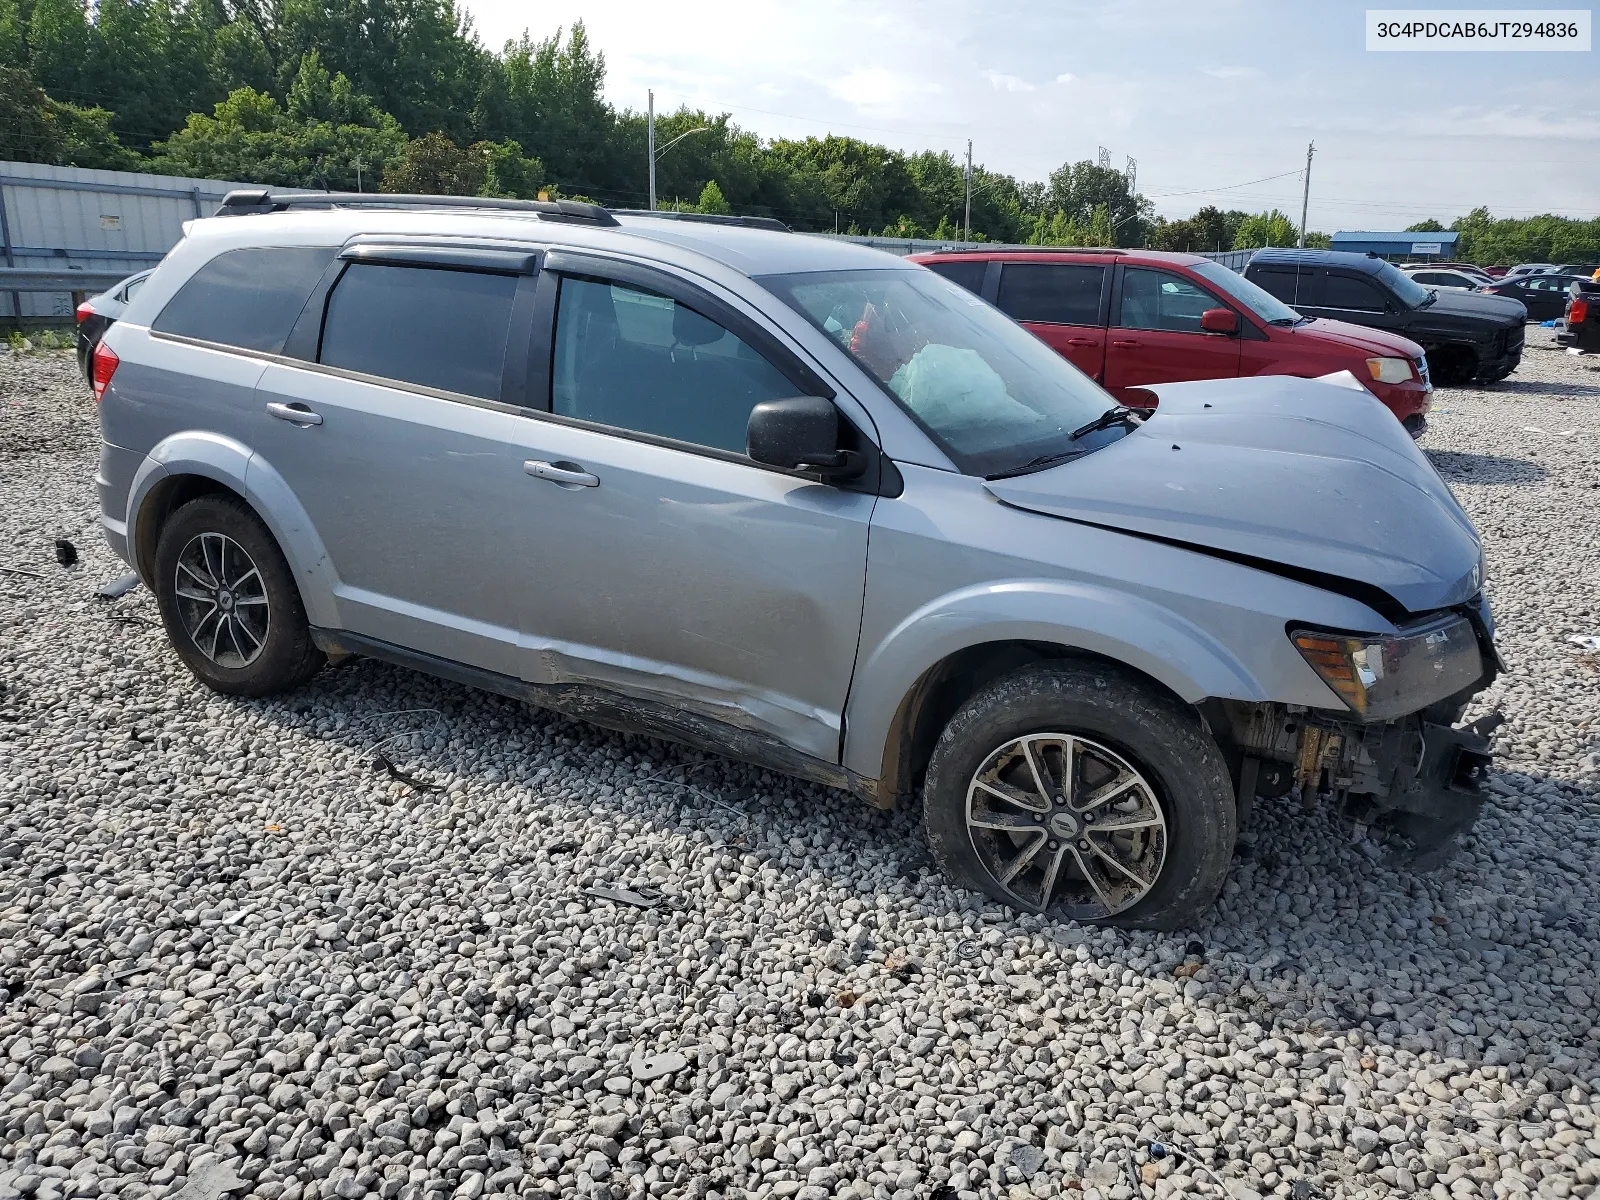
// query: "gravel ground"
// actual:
[[237, 956]]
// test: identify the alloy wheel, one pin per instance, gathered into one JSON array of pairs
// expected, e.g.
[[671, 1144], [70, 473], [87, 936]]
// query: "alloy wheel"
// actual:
[[1066, 825], [222, 600]]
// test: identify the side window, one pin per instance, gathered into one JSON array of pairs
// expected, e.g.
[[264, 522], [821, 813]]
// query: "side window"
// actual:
[[436, 328], [1054, 293], [1160, 300], [1351, 292], [1288, 284], [134, 286], [246, 298], [639, 361], [1432, 277], [968, 273]]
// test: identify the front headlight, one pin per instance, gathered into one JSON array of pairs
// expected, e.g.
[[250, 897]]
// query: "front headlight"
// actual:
[[1383, 676], [1390, 370]]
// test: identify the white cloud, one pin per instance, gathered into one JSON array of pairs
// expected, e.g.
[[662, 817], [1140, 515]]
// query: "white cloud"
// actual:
[[1066, 77], [1001, 82], [1230, 72], [878, 87]]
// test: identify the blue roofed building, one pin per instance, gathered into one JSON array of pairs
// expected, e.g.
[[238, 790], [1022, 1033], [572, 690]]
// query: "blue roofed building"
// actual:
[[1398, 247]]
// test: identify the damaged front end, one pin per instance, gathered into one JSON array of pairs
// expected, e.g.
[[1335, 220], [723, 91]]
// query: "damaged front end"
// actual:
[[1397, 757]]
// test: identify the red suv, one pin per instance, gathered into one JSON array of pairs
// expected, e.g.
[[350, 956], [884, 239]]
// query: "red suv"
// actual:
[[1131, 317]]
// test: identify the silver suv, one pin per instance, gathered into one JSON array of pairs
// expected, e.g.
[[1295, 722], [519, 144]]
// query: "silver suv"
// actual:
[[804, 504]]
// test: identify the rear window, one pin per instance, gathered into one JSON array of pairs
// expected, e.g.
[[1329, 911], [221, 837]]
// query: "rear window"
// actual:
[[1051, 293], [439, 329], [968, 273], [246, 298]]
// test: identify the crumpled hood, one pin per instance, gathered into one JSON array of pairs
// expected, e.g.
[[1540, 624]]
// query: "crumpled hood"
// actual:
[[1308, 475]]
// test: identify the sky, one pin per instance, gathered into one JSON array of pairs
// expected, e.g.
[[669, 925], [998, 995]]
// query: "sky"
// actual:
[[1215, 101]]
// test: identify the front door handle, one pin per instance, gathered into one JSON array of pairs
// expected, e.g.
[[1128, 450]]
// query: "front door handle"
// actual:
[[565, 473], [295, 414], [1082, 342]]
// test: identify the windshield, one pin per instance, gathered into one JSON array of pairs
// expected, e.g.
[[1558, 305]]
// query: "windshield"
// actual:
[[1258, 300], [992, 395], [1412, 294]]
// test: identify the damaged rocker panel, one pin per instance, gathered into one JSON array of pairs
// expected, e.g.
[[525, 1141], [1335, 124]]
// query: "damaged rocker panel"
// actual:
[[618, 711]]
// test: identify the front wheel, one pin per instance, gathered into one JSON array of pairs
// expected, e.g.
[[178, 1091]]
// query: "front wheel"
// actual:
[[1078, 791]]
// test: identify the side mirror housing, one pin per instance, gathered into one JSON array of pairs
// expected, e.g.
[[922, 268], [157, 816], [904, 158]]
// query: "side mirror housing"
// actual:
[[800, 433], [1219, 320]]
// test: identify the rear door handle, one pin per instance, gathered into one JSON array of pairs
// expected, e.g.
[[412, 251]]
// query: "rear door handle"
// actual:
[[295, 414], [565, 473], [1082, 342], [1125, 345]]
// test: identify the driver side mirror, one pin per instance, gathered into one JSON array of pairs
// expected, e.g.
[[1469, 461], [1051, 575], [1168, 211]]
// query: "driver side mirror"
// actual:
[[800, 433], [1219, 320]]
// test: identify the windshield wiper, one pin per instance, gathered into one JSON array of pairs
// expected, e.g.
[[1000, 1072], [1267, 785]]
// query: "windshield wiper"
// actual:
[[1119, 414], [1037, 464]]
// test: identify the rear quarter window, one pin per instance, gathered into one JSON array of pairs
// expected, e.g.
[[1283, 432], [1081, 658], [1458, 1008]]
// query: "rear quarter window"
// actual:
[[968, 273], [246, 298]]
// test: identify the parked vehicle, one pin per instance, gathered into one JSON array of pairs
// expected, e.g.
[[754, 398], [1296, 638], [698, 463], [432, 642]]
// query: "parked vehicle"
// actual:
[[97, 314], [1580, 328], [1495, 272], [1529, 269], [1587, 270], [627, 468], [1466, 335], [1440, 277], [1544, 296], [1130, 318]]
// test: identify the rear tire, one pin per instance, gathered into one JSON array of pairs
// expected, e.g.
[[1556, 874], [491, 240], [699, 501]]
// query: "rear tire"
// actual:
[[229, 602], [1140, 835]]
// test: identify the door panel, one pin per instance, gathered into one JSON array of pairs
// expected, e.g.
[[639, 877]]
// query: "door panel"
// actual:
[[1062, 304], [729, 590], [1156, 336], [420, 502]]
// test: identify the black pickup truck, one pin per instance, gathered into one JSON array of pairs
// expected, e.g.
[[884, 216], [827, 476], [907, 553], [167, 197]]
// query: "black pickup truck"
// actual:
[[1467, 336], [1579, 328]]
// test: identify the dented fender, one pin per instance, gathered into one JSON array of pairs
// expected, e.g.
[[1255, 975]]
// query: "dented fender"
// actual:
[[238, 468], [1116, 625]]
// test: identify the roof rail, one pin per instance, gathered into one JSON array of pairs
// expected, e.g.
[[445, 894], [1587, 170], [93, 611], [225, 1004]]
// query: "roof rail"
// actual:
[[243, 202], [1016, 247], [706, 218]]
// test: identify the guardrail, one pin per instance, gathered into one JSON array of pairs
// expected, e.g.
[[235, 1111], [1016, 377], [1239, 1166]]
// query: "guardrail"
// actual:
[[44, 279]]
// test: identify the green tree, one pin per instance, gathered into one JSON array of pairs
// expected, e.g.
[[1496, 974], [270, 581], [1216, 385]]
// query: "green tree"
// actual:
[[1265, 229], [59, 40], [1428, 226], [509, 173], [712, 200], [550, 102], [434, 165], [13, 35], [251, 138], [35, 128]]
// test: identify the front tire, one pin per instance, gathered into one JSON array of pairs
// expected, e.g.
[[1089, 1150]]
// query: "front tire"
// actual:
[[1079, 791], [229, 602]]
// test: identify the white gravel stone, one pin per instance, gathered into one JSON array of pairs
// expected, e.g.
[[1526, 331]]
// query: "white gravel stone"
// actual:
[[226, 941]]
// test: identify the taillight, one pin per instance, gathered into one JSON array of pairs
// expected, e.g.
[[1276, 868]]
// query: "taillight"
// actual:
[[104, 365], [1579, 312], [83, 312]]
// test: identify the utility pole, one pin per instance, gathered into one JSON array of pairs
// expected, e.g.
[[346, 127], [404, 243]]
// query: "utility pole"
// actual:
[[1305, 198], [358, 172], [651, 149], [967, 222]]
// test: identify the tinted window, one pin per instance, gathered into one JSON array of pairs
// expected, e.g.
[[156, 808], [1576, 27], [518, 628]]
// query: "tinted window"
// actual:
[[246, 298], [1161, 300], [969, 274], [1351, 292], [439, 329], [1056, 293], [640, 361], [1286, 283], [1259, 301]]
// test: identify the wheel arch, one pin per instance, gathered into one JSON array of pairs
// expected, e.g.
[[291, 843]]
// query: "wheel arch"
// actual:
[[187, 466], [914, 681]]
